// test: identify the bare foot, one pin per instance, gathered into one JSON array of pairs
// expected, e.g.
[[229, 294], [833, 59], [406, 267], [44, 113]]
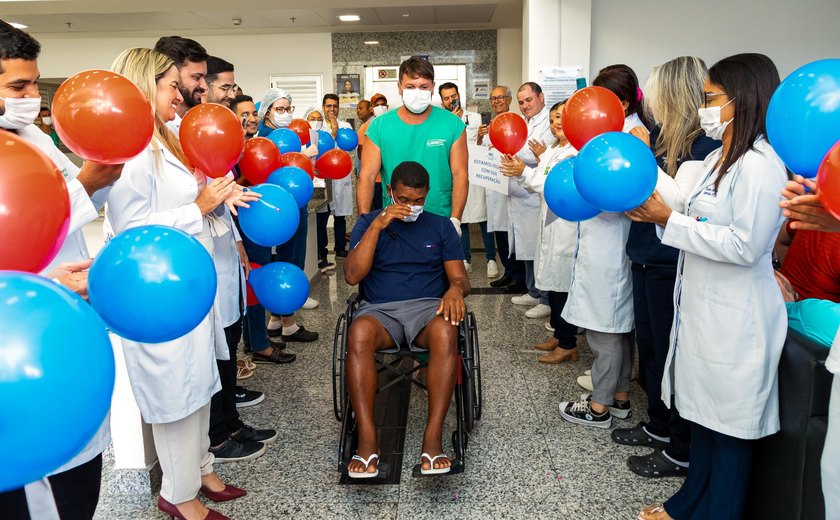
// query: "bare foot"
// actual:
[[433, 450], [213, 482], [654, 513], [358, 466]]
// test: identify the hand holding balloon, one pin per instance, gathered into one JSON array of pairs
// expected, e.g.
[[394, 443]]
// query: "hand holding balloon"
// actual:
[[240, 197], [512, 166], [805, 210], [73, 275], [214, 194], [652, 210], [94, 176], [311, 150]]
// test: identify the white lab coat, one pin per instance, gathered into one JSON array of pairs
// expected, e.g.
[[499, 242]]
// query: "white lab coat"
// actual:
[[170, 380], [83, 210], [476, 208], [342, 203], [557, 237], [730, 321]]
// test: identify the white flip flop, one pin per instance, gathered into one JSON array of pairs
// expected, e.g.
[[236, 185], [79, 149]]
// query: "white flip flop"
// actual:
[[365, 473], [432, 470]]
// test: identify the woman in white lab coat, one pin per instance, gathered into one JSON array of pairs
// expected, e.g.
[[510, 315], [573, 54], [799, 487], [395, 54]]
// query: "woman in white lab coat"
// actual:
[[173, 381], [729, 324], [557, 239]]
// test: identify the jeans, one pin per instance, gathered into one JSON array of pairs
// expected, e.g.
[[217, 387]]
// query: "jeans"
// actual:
[[224, 418], [531, 283], [321, 233], [489, 243]]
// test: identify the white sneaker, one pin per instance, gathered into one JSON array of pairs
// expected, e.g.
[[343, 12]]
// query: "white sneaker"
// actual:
[[548, 326], [525, 299], [492, 269], [311, 303], [538, 311], [588, 372], [586, 382], [468, 266]]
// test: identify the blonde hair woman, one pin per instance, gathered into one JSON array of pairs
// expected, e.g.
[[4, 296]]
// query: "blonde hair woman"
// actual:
[[174, 381]]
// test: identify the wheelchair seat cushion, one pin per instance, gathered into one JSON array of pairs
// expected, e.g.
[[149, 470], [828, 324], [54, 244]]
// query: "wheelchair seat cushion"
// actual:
[[402, 319]]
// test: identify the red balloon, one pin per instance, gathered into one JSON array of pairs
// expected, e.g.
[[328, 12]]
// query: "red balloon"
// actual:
[[251, 296], [34, 206], [828, 180], [590, 112], [298, 159], [103, 116], [508, 133], [259, 159], [301, 128], [212, 138], [335, 164]]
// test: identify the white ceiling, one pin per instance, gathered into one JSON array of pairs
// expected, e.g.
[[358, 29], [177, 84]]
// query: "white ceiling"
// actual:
[[152, 17]]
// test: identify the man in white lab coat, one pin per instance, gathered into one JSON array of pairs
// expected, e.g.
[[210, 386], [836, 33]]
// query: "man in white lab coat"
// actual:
[[342, 204], [72, 491]]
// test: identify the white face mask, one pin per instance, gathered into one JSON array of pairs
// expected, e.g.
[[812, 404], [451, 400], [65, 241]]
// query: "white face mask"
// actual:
[[378, 110], [46, 120], [415, 214], [316, 125], [416, 100], [710, 121], [281, 120], [20, 112]]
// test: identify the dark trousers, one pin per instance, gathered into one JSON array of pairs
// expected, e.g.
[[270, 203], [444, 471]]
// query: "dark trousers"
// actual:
[[294, 251], [716, 485], [255, 336], [653, 306], [377, 196], [517, 269], [321, 233], [224, 418], [75, 493], [504, 252], [340, 230], [564, 332]]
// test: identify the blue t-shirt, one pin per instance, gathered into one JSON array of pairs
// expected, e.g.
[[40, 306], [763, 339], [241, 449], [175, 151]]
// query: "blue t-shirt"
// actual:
[[409, 257]]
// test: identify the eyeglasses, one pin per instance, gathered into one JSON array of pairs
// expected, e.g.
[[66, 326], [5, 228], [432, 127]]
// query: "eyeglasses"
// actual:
[[494, 99], [709, 96], [284, 110], [225, 88]]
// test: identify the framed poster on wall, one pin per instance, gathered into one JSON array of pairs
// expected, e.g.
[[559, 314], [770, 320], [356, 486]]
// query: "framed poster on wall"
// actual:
[[348, 88]]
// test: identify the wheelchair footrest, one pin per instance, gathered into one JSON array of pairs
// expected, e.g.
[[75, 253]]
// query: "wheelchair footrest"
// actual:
[[457, 467]]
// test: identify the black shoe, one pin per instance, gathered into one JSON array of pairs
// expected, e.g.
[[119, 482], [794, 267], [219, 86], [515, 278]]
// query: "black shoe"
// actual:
[[275, 357], [245, 398], [248, 434], [655, 465], [302, 335], [504, 281], [636, 436], [234, 450], [619, 409], [341, 254], [516, 288], [325, 266], [581, 412]]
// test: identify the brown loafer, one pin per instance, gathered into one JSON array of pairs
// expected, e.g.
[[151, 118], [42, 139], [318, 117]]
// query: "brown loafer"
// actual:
[[559, 355], [548, 345]]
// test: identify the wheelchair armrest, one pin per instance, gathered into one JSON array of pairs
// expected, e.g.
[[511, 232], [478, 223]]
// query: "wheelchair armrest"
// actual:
[[354, 299]]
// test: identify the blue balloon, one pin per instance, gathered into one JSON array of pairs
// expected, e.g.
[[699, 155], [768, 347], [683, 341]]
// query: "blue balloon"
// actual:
[[325, 142], [285, 139], [615, 171], [347, 139], [152, 283], [562, 197], [282, 288], [295, 181], [803, 118], [56, 376], [273, 219]]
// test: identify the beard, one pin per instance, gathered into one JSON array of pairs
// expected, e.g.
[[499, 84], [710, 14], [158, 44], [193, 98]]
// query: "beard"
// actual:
[[191, 99]]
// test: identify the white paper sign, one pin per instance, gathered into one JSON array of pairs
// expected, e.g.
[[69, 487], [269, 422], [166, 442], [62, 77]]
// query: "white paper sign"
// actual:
[[484, 169], [558, 83]]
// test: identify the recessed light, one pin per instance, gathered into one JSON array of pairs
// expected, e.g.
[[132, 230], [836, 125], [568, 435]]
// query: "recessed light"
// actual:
[[372, 42], [18, 25], [405, 15], [349, 18]]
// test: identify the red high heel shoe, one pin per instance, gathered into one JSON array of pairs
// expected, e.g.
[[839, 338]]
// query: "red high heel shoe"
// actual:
[[170, 509], [228, 493]]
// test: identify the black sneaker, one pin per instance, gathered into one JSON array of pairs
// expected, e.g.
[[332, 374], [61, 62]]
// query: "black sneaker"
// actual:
[[655, 465], [504, 281], [275, 357], [325, 266], [619, 409], [341, 254], [637, 436], [580, 412], [234, 450], [302, 335], [246, 398], [249, 434]]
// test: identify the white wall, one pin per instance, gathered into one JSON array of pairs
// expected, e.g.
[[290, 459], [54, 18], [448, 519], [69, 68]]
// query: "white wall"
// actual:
[[254, 57], [645, 33], [509, 58]]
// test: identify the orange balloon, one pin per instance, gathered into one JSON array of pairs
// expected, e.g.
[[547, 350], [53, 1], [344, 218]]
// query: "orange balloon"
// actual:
[[34, 206], [335, 164], [298, 159], [301, 128], [212, 138], [259, 159], [590, 112], [102, 116], [828, 180], [508, 133]]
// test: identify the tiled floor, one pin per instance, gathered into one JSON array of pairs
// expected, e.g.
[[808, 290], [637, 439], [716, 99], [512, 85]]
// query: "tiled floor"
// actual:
[[523, 461]]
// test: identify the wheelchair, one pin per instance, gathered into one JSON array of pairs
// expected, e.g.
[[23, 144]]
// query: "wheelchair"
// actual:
[[467, 392]]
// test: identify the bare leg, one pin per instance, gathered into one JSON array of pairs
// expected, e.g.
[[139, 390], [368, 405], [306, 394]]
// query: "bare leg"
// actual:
[[366, 336], [441, 338]]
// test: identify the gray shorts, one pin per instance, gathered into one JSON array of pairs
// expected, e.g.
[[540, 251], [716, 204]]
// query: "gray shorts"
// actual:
[[403, 319]]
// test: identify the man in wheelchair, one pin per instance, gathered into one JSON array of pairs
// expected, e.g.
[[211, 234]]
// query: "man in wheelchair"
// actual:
[[410, 264]]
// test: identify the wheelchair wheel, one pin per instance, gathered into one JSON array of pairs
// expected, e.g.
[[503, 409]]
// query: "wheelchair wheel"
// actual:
[[476, 399], [468, 392], [456, 444], [338, 381]]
